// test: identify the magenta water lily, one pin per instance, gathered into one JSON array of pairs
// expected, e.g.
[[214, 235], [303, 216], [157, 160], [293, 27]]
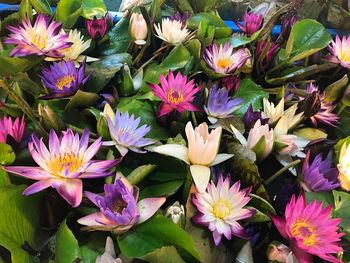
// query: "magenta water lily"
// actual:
[[310, 230], [119, 208], [63, 79], [97, 27], [15, 129], [176, 93], [220, 208], [42, 39], [252, 22], [63, 165]]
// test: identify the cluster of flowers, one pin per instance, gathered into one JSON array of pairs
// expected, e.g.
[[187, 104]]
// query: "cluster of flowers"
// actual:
[[68, 158]]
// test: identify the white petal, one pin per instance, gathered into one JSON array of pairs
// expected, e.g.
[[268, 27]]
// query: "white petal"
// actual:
[[201, 176], [221, 157], [239, 135], [175, 150], [148, 206]]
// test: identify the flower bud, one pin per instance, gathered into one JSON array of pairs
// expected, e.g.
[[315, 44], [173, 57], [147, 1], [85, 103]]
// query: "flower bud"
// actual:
[[248, 66], [49, 118], [277, 252], [97, 27], [177, 213], [138, 28]]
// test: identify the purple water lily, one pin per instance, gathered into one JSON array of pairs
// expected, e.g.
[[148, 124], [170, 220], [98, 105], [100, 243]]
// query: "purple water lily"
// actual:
[[265, 53], [319, 176], [63, 164], [250, 118], [63, 79], [119, 209], [220, 105]]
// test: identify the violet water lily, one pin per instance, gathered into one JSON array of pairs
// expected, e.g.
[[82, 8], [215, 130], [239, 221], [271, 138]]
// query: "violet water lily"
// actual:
[[266, 52], [223, 59], [319, 175], [14, 129], [252, 22], [310, 230], [42, 39], [63, 165], [220, 105], [63, 79], [220, 208], [125, 131], [201, 153], [176, 93], [119, 208]]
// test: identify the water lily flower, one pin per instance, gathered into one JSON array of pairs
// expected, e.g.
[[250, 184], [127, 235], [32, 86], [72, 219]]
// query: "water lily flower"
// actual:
[[41, 39], [138, 28], [97, 27], [344, 166], [63, 165], [176, 93], [128, 4], [15, 129], [319, 176], [109, 255], [176, 212], [125, 132], [220, 105], [310, 230], [74, 52], [181, 17], [251, 117], [260, 139], [220, 208], [325, 112], [252, 22], [172, 31], [340, 49], [277, 252], [119, 208], [231, 82], [201, 153], [63, 79], [223, 59], [266, 52]]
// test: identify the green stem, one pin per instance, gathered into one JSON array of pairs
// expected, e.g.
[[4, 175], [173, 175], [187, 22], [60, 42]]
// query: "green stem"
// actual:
[[80, 130], [23, 105], [341, 109], [193, 115], [281, 171]]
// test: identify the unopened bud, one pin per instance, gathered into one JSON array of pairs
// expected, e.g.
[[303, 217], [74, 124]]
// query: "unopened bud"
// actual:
[[138, 28], [277, 252], [49, 118], [177, 213]]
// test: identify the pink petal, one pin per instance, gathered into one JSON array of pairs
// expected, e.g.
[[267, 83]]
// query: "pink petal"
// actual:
[[164, 109], [302, 256], [91, 220], [280, 224], [35, 173], [38, 186], [148, 206], [99, 167], [71, 190]]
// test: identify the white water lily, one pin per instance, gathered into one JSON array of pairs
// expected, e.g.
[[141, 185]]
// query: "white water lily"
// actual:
[[172, 31], [260, 139], [109, 255], [344, 166], [201, 153], [138, 28], [74, 52]]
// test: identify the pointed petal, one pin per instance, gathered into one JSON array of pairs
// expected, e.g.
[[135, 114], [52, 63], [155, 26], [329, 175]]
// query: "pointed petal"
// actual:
[[91, 220], [175, 150], [201, 176], [280, 224], [239, 135], [71, 190], [35, 173], [221, 157], [302, 256], [38, 186], [148, 206]]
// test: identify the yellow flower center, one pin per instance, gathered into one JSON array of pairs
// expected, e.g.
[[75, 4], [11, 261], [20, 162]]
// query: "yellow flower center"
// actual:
[[64, 81], [221, 209], [344, 56], [305, 231], [175, 96], [223, 63], [65, 161], [39, 40]]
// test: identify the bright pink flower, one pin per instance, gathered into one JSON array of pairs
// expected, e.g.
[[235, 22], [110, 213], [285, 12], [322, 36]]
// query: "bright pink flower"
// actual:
[[310, 230], [176, 93], [14, 129], [97, 27], [252, 22], [340, 49]]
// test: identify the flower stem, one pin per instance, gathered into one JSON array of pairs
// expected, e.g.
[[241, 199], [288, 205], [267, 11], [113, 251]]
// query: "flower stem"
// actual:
[[193, 115], [27, 110], [281, 171]]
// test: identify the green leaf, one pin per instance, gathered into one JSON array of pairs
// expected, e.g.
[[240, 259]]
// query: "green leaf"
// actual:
[[25, 9], [4, 178], [210, 19], [41, 6], [93, 246], [342, 210], [119, 38], [93, 8], [7, 155], [164, 254], [237, 40], [11, 66], [326, 198], [335, 90], [82, 98], [161, 189], [68, 12], [138, 174], [155, 233], [262, 204], [20, 217], [251, 93], [343, 128], [258, 217], [306, 38], [155, 10], [67, 248], [310, 133]]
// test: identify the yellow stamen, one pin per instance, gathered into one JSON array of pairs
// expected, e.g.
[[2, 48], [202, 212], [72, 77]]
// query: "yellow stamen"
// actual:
[[65, 161], [221, 209], [39, 40], [175, 97], [305, 231], [64, 81], [344, 56], [223, 63]]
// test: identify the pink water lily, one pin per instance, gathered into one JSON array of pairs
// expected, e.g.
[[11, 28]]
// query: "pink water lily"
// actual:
[[15, 129], [63, 165]]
